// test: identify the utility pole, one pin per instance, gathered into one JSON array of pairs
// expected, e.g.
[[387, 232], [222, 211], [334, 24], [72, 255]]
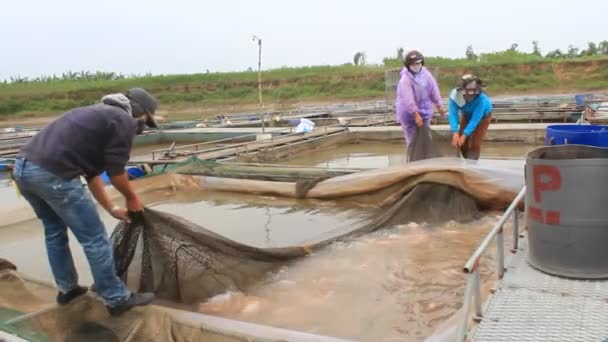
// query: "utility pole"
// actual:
[[259, 40]]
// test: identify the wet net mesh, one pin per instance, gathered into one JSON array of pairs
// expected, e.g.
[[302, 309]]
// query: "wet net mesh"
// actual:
[[184, 262], [26, 311], [6, 265], [428, 144]]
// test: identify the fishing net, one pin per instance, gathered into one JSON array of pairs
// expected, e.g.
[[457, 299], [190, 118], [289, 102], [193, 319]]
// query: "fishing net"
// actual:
[[35, 319], [27, 311], [5, 264], [184, 262], [428, 144]]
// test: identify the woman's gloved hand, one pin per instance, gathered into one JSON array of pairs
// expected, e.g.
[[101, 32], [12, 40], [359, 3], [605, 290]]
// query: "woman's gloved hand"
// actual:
[[462, 139], [442, 113], [455, 139]]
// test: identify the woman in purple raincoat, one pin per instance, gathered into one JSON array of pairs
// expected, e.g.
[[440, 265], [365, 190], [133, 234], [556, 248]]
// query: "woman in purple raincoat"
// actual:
[[417, 91]]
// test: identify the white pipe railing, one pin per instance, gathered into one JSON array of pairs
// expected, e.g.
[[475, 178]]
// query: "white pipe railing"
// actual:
[[471, 268]]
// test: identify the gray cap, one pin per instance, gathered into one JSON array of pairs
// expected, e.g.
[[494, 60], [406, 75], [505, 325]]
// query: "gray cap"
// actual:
[[143, 103]]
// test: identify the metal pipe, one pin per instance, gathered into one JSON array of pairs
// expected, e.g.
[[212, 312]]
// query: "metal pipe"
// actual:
[[462, 328], [473, 287], [473, 260], [515, 229], [500, 241], [477, 288], [525, 220]]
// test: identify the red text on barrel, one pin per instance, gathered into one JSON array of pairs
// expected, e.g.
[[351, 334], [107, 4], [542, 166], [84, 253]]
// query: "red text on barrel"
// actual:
[[545, 178]]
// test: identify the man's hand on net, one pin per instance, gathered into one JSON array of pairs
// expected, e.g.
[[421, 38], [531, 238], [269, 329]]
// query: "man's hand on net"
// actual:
[[119, 213], [134, 204]]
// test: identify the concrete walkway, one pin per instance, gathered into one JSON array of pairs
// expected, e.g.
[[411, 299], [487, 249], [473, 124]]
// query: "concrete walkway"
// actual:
[[439, 128], [529, 305]]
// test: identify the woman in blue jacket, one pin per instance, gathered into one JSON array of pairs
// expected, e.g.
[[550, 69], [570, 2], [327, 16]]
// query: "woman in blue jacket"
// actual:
[[469, 129]]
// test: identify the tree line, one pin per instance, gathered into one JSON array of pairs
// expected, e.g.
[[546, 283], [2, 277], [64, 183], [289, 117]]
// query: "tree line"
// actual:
[[513, 54]]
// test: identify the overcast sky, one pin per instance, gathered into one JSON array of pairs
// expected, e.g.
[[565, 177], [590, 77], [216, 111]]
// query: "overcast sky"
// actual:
[[189, 36]]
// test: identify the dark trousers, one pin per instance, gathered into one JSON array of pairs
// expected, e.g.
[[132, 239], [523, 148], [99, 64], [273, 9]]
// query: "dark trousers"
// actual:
[[472, 147]]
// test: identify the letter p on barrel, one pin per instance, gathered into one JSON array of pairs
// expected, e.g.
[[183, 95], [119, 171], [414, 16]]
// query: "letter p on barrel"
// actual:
[[546, 178]]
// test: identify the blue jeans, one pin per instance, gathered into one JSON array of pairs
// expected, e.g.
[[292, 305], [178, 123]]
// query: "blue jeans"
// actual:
[[60, 204]]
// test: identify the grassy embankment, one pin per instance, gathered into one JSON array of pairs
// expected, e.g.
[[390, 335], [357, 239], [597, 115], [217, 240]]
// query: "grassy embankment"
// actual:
[[196, 95]]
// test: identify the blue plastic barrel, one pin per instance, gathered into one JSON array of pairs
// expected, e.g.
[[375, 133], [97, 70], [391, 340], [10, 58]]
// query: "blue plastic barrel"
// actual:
[[133, 172], [6, 164], [591, 135], [105, 177], [580, 100]]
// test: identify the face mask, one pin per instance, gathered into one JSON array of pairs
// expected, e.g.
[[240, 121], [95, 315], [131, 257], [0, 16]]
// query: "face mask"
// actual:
[[416, 68]]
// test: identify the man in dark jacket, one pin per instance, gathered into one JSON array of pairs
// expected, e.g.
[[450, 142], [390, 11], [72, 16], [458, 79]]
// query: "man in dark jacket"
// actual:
[[85, 141]]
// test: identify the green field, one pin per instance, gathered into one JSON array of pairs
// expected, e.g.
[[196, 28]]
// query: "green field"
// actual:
[[503, 75]]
